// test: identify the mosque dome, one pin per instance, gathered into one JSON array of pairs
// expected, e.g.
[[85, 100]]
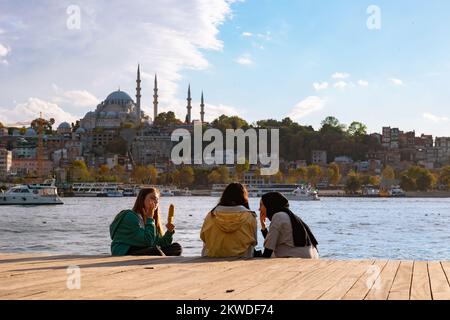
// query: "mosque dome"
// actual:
[[121, 96], [80, 131], [30, 132], [64, 125]]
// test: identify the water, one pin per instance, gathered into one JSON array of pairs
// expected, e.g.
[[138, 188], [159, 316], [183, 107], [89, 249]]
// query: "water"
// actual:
[[346, 228]]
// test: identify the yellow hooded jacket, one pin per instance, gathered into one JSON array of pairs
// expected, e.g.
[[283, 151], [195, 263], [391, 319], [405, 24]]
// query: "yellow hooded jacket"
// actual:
[[229, 232]]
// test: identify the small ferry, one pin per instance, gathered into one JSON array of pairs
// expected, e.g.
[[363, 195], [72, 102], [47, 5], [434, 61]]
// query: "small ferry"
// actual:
[[32, 194], [303, 194], [111, 192], [397, 192]]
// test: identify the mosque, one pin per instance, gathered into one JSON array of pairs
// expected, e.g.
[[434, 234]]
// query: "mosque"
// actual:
[[119, 108]]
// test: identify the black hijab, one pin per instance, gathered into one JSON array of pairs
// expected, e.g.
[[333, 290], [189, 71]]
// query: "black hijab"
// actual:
[[275, 202]]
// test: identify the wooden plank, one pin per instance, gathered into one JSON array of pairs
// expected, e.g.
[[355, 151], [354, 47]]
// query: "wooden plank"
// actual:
[[267, 280], [380, 290], [420, 288], [401, 288], [370, 278], [440, 288], [339, 290]]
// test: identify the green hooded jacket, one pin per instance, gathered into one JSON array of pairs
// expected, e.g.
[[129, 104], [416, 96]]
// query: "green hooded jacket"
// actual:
[[128, 230]]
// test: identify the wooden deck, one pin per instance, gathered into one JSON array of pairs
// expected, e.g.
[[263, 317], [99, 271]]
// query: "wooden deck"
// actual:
[[184, 278]]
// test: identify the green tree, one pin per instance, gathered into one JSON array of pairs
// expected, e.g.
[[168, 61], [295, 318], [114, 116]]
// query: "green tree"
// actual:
[[407, 183], [357, 129], [224, 122], [332, 122], [214, 177], [353, 183], [167, 119]]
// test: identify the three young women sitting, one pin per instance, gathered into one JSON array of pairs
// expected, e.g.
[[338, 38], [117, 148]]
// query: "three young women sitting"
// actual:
[[139, 231]]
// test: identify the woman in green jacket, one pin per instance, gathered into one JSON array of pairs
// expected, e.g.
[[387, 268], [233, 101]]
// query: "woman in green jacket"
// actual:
[[139, 231]]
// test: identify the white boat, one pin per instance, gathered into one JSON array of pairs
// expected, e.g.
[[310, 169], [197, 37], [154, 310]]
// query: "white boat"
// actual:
[[166, 193], [397, 192], [303, 194], [32, 194], [182, 193], [87, 189]]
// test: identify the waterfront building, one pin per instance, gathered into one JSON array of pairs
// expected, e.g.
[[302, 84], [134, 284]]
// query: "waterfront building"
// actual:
[[5, 162], [319, 157]]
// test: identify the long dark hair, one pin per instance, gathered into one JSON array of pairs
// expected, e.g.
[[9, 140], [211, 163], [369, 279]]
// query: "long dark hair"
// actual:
[[275, 202], [235, 194], [139, 207]]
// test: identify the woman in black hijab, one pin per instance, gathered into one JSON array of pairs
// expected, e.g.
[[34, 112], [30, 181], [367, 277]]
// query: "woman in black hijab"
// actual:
[[288, 236]]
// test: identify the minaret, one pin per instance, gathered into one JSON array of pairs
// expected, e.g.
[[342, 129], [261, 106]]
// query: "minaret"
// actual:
[[155, 99], [189, 106], [202, 109], [138, 94]]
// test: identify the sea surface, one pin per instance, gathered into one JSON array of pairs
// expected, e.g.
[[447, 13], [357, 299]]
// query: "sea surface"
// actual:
[[346, 228]]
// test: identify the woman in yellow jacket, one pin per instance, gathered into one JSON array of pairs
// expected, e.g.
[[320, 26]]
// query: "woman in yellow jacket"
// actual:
[[230, 229]]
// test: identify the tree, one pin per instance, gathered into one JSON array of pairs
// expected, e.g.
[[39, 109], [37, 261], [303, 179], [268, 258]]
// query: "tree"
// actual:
[[186, 176], [224, 122], [78, 171], [167, 119], [353, 184], [388, 173], [444, 177], [333, 174], [214, 177], [241, 169], [417, 178], [370, 180], [144, 175], [117, 146], [357, 129], [314, 174], [407, 183], [332, 122]]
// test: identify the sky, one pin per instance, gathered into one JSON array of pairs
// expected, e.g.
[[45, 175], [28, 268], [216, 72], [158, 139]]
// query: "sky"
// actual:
[[380, 62]]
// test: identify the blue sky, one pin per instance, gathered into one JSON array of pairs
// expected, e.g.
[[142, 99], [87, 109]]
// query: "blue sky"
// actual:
[[255, 58]]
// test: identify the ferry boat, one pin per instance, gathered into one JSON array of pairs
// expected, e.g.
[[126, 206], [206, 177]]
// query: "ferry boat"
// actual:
[[111, 192], [292, 192], [32, 194], [182, 193], [397, 192], [131, 191], [303, 194], [167, 193]]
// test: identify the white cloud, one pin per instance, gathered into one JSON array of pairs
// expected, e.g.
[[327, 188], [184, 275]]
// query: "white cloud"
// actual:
[[165, 36], [247, 34], [307, 106], [363, 83], [340, 75], [319, 86], [396, 82], [4, 51], [214, 111], [341, 85], [30, 110], [245, 59], [434, 118], [78, 98]]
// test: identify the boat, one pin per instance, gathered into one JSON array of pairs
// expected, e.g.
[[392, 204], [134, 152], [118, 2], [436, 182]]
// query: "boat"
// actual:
[[370, 191], [32, 194], [130, 192], [397, 192], [88, 189], [166, 193], [111, 192], [182, 193], [303, 194]]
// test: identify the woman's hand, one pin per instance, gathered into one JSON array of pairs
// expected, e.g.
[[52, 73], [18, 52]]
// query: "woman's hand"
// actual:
[[150, 212], [262, 218], [170, 227]]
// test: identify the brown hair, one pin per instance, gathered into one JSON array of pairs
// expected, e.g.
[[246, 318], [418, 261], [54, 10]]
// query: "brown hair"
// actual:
[[235, 194], [139, 207]]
